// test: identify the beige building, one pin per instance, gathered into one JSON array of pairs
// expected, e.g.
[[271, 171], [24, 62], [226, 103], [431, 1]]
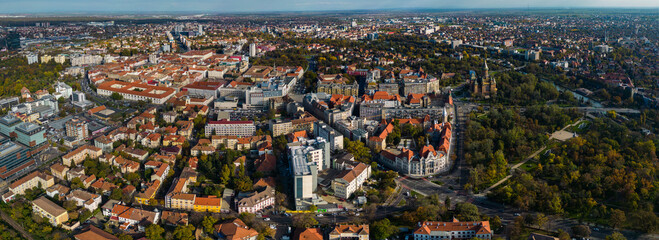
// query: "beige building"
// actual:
[[55, 214], [79, 155], [32, 180], [358, 232]]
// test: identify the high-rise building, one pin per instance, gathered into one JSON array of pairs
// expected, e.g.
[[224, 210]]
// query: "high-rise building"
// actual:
[[201, 30], [252, 50], [77, 128], [12, 41], [32, 58]]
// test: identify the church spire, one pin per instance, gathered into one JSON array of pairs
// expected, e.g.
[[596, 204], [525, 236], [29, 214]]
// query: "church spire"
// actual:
[[486, 69]]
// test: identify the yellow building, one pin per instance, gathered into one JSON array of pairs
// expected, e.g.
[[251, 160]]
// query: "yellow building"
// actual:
[[55, 214], [150, 193], [208, 204]]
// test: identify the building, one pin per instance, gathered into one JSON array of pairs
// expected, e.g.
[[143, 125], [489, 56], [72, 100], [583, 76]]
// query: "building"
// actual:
[[79, 154], [351, 179], [32, 58], [30, 134], [426, 162], [13, 158], [329, 108], [484, 87], [334, 137], [278, 127], [538, 236], [32, 180], [252, 50], [88, 200], [307, 157], [8, 124], [357, 232], [256, 201], [230, 128], [77, 128], [136, 91], [308, 234], [316, 151], [203, 89], [337, 84], [55, 214], [235, 230], [93, 233], [128, 216], [63, 89], [431, 230]]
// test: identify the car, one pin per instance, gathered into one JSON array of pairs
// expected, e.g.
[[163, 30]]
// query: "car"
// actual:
[[319, 215], [356, 214], [516, 214], [266, 219], [596, 229]]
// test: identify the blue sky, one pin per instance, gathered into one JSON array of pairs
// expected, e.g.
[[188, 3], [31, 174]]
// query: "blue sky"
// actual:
[[44, 6]]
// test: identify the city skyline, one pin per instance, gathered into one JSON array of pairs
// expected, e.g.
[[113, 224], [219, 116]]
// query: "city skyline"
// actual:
[[209, 6]]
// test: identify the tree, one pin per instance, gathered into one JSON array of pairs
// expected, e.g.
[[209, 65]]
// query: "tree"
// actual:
[[208, 223], [540, 220], [154, 232], [116, 194], [116, 96], [467, 212], [581, 231], [616, 236], [358, 150], [125, 237], [562, 235], [313, 208], [225, 174], [382, 229], [183, 232], [305, 220], [617, 218]]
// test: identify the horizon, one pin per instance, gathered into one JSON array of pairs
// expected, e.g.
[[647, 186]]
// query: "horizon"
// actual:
[[224, 7]]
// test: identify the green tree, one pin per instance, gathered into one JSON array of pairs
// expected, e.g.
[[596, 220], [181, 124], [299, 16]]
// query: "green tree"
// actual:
[[116, 194], [616, 236], [313, 208], [225, 174], [467, 212], [208, 223], [382, 229], [305, 220], [116, 96], [154, 232], [617, 218], [183, 232], [358, 150]]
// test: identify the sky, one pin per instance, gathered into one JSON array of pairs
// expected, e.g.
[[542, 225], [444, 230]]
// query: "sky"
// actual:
[[227, 6]]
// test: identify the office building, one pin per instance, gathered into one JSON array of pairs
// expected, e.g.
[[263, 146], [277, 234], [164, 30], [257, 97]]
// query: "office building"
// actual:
[[8, 124], [30, 134], [13, 158]]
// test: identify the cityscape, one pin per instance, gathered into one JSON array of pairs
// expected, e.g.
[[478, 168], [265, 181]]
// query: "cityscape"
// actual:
[[329, 120]]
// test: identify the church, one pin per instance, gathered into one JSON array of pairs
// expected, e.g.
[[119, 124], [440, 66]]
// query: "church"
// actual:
[[484, 87]]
